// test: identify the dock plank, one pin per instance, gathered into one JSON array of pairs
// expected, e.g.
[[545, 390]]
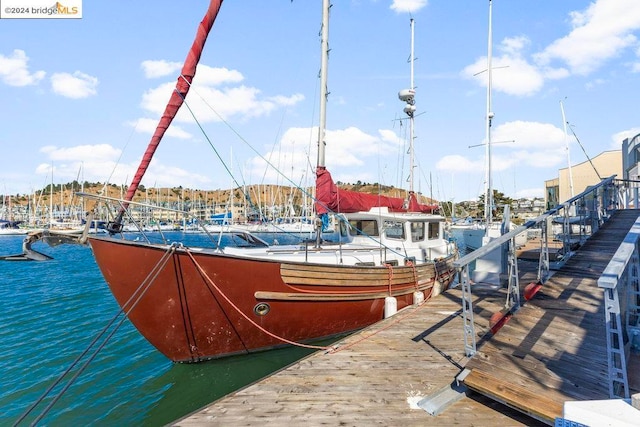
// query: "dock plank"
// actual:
[[555, 345]]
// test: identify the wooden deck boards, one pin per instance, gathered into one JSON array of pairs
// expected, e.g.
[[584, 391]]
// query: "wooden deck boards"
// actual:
[[552, 350], [376, 377]]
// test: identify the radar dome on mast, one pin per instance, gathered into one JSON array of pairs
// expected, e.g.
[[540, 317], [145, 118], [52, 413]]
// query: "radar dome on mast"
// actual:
[[408, 96]]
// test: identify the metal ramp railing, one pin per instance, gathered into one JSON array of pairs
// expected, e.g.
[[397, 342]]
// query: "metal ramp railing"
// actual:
[[594, 204], [622, 301]]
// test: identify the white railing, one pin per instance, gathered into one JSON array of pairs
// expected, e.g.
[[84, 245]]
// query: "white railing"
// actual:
[[622, 309], [580, 217]]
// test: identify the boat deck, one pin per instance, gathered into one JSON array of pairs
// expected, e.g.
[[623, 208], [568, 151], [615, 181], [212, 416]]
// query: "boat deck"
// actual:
[[551, 351]]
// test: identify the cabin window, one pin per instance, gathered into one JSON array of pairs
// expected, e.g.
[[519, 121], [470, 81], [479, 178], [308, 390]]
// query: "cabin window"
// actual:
[[394, 230], [434, 230], [417, 231], [365, 227]]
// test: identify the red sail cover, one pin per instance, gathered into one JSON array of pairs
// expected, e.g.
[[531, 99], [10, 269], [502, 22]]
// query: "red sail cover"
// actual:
[[329, 198], [178, 95]]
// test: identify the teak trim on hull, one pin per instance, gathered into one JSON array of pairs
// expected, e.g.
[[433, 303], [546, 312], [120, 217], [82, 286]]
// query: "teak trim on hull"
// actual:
[[293, 274]]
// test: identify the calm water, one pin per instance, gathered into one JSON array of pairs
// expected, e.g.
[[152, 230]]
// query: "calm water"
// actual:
[[50, 313]]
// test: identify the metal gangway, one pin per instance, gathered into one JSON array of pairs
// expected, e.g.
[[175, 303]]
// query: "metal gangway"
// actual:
[[586, 213]]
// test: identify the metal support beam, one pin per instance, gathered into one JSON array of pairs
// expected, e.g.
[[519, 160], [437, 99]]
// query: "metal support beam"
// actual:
[[632, 315], [513, 293], [470, 347], [616, 360], [543, 264]]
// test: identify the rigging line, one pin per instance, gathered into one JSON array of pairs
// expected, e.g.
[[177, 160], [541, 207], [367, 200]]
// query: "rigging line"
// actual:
[[113, 171], [163, 260], [585, 153], [77, 374], [247, 318], [207, 136], [266, 169], [269, 163], [224, 164], [304, 191]]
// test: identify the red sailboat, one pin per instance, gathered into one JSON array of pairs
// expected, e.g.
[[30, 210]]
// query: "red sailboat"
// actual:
[[196, 304]]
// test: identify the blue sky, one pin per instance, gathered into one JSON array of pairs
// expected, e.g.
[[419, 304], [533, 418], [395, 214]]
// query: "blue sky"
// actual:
[[83, 96]]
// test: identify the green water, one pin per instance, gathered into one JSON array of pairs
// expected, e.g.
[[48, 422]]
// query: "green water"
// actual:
[[49, 314]]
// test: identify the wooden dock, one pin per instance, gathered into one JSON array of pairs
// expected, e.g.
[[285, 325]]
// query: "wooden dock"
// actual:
[[551, 351], [554, 349]]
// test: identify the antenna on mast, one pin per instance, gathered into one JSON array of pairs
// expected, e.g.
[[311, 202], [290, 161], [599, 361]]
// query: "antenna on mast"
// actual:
[[408, 96]]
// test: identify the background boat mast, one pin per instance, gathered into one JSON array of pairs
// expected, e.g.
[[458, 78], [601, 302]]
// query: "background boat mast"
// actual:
[[324, 54], [488, 198]]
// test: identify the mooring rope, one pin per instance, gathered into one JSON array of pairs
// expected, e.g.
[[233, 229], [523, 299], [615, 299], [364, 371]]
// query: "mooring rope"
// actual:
[[247, 318], [415, 274], [144, 286], [390, 268]]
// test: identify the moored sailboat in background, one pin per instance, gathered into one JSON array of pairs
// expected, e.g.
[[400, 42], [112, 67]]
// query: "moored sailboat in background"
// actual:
[[201, 303], [475, 234]]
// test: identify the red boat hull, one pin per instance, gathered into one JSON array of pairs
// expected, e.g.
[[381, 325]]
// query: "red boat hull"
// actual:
[[203, 305]]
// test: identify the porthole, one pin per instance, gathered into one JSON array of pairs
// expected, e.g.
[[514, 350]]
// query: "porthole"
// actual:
[[261, 309]]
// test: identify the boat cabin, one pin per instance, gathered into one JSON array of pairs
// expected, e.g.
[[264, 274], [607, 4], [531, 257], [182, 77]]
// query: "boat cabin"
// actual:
[[419, 236]]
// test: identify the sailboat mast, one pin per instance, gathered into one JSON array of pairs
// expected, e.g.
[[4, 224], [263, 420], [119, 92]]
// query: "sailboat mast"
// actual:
[[566, 142], [488, 198], [408, 96], [411, 129], [324, 54]]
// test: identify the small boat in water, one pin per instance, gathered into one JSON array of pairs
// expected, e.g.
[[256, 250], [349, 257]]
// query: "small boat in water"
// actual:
[[11, 228]]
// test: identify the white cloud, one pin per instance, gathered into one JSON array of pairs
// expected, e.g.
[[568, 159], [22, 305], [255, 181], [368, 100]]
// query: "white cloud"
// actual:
[[511, 73], [81, 152], [347, 151], [14, 70], [148, 126], [215, 76], [77, 85], [408, 6], [616, 139], [535, 145], [101, 163], [153, 69], [212, 104], [599, 33], [390, 136], [457, 163]]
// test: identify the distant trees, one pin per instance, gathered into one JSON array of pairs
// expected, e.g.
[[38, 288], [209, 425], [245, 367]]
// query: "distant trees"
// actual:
[[499, 201]]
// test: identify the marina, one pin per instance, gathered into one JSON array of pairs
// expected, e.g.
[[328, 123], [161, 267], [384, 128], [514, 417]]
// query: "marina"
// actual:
[[407, 369], [302, 299], [418, 367]]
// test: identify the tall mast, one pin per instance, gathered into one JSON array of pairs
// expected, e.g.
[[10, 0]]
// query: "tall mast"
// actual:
[[410, 113], [488, 198], [324, 54], [408, 96], [566, 142]]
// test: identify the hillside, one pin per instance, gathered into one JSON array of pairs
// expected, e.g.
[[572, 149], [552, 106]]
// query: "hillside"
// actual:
[[259, 194]]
